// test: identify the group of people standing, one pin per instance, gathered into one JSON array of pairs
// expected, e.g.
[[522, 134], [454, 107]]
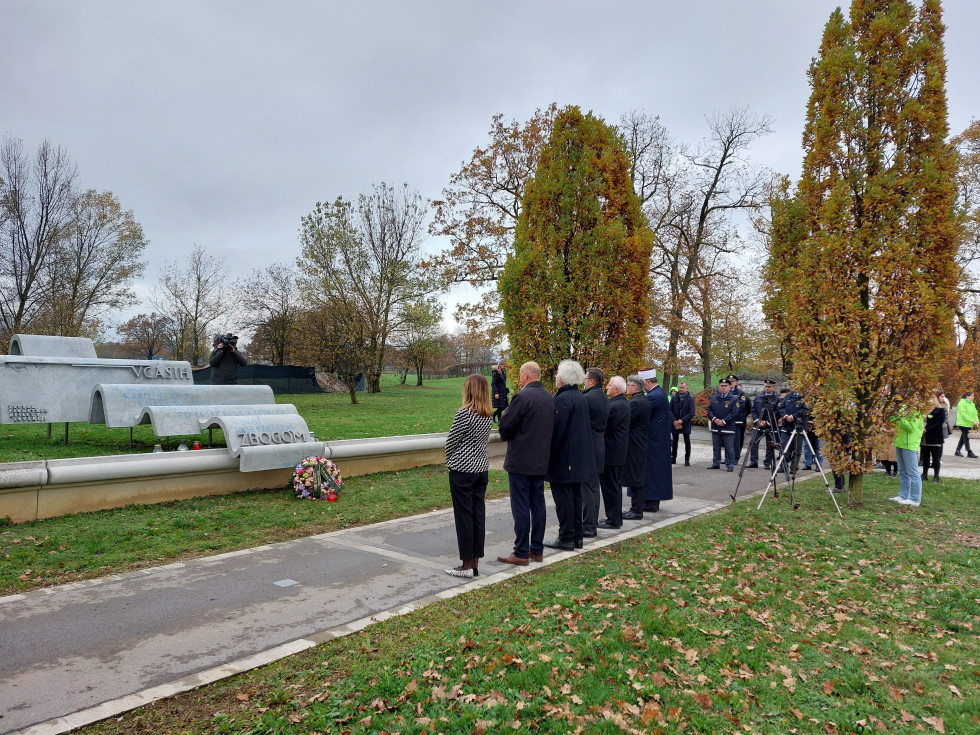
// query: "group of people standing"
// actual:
[[588, 440]]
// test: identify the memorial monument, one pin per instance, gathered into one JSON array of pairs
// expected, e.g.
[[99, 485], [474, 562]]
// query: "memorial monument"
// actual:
[[47, 379]]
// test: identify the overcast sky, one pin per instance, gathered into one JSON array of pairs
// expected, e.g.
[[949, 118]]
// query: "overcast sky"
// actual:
[[223, 123]]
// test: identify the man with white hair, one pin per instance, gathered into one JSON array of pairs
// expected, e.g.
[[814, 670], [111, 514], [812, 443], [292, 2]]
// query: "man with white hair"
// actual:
[[572, 456], [660, 484], [616, 443], [526, 426]]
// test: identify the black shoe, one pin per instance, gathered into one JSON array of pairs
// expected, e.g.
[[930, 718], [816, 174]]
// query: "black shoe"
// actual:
[[731, 469], [714, 467], [935, 479], [924, 477], [652, 507], [579, 543], [590, 534], [766, 467], [754, 466], [556, 544], [957, 454], [631, 516], [605, 523], [807, 467], [971, 455], [687, 463]]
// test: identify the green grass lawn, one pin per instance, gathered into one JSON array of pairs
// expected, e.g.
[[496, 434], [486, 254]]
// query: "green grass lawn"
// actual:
[[397, 411], [741, 621], [87, 545]]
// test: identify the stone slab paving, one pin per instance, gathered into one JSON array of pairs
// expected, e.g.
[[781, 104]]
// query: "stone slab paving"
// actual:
[[78, 653]]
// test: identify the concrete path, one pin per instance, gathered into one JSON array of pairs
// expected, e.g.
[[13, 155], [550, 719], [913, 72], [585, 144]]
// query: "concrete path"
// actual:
[[75, 654]]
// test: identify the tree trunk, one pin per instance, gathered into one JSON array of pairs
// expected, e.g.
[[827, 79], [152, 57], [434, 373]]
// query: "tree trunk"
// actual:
[[855, 491], [404, 375], [418, 372], [374, 383], [353, 393]]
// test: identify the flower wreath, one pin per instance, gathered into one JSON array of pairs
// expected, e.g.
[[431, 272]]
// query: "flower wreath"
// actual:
[[316, 478]]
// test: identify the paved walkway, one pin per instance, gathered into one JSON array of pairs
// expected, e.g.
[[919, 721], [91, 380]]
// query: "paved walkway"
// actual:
[[75, 654]]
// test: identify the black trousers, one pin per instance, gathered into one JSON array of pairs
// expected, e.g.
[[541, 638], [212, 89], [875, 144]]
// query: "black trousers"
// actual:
[[754, 447], [673, 445], [964, 439], [612, 494], [739, 439], [931, 457], [568, 507], [469, 490]]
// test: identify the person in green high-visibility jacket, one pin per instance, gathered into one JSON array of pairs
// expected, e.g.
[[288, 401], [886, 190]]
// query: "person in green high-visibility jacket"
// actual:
[[908, 436], [966, 419]]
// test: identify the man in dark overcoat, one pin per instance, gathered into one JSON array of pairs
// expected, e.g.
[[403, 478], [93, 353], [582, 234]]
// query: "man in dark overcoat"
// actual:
[[616, 440], [660, 483], [723, 411], [681, 413], [635, 470], [572, 455], [598, 416], [527, 426]]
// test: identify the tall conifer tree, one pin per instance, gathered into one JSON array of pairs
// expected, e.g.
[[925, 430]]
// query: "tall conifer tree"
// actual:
[[577, 283], [869, 289]]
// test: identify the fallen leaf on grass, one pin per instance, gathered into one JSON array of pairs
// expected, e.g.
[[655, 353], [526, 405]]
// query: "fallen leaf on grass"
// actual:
[[936, 722], [828, 688], [702, 700], [658, 679], [895, 694], [955, 691], [907, 716]]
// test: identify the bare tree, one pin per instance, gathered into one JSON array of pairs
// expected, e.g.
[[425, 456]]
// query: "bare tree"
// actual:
[[366, 257], [271, 308], [36, 211], [192, 298], [691, 204]]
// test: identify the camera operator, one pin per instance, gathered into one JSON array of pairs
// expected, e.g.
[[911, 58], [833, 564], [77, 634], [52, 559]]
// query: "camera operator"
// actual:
[[793, 414], [764, 417], [225, 359]]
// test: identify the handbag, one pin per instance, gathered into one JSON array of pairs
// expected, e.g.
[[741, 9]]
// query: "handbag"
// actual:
[[945, 429]]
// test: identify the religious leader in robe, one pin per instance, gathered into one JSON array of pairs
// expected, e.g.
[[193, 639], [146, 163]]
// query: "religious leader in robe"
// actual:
[[660, 484]]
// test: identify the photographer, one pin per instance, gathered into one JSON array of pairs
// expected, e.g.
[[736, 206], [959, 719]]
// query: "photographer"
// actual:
[[225, 359], [764, 417]]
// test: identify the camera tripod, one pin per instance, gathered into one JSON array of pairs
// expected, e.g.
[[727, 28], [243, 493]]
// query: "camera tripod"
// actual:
[[789, 462], [773, 449]]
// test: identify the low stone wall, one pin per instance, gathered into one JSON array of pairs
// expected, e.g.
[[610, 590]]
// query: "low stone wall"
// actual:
[[45, 489]]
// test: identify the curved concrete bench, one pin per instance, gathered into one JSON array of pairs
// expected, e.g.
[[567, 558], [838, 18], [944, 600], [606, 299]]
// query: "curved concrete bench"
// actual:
[[186, 420], [266, 441], [120, 405], [45, 345]]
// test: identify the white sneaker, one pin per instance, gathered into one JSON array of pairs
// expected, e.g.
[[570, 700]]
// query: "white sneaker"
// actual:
[[896, 499], [909, 501]]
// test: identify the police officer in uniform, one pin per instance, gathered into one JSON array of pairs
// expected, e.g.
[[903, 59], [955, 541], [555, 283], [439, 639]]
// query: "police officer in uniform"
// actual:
[[744, 407], [764, 410], [722, 415]]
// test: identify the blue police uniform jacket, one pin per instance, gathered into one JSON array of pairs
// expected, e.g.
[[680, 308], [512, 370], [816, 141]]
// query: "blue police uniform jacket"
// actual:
[[725, 407]]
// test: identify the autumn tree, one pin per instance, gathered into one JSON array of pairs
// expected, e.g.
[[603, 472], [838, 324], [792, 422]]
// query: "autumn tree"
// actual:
[[478, 213], [419, 335], [271, 305], [145, 335], [869, 292], [337, 337], [576, 285], [366, 256], [192, 298]]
